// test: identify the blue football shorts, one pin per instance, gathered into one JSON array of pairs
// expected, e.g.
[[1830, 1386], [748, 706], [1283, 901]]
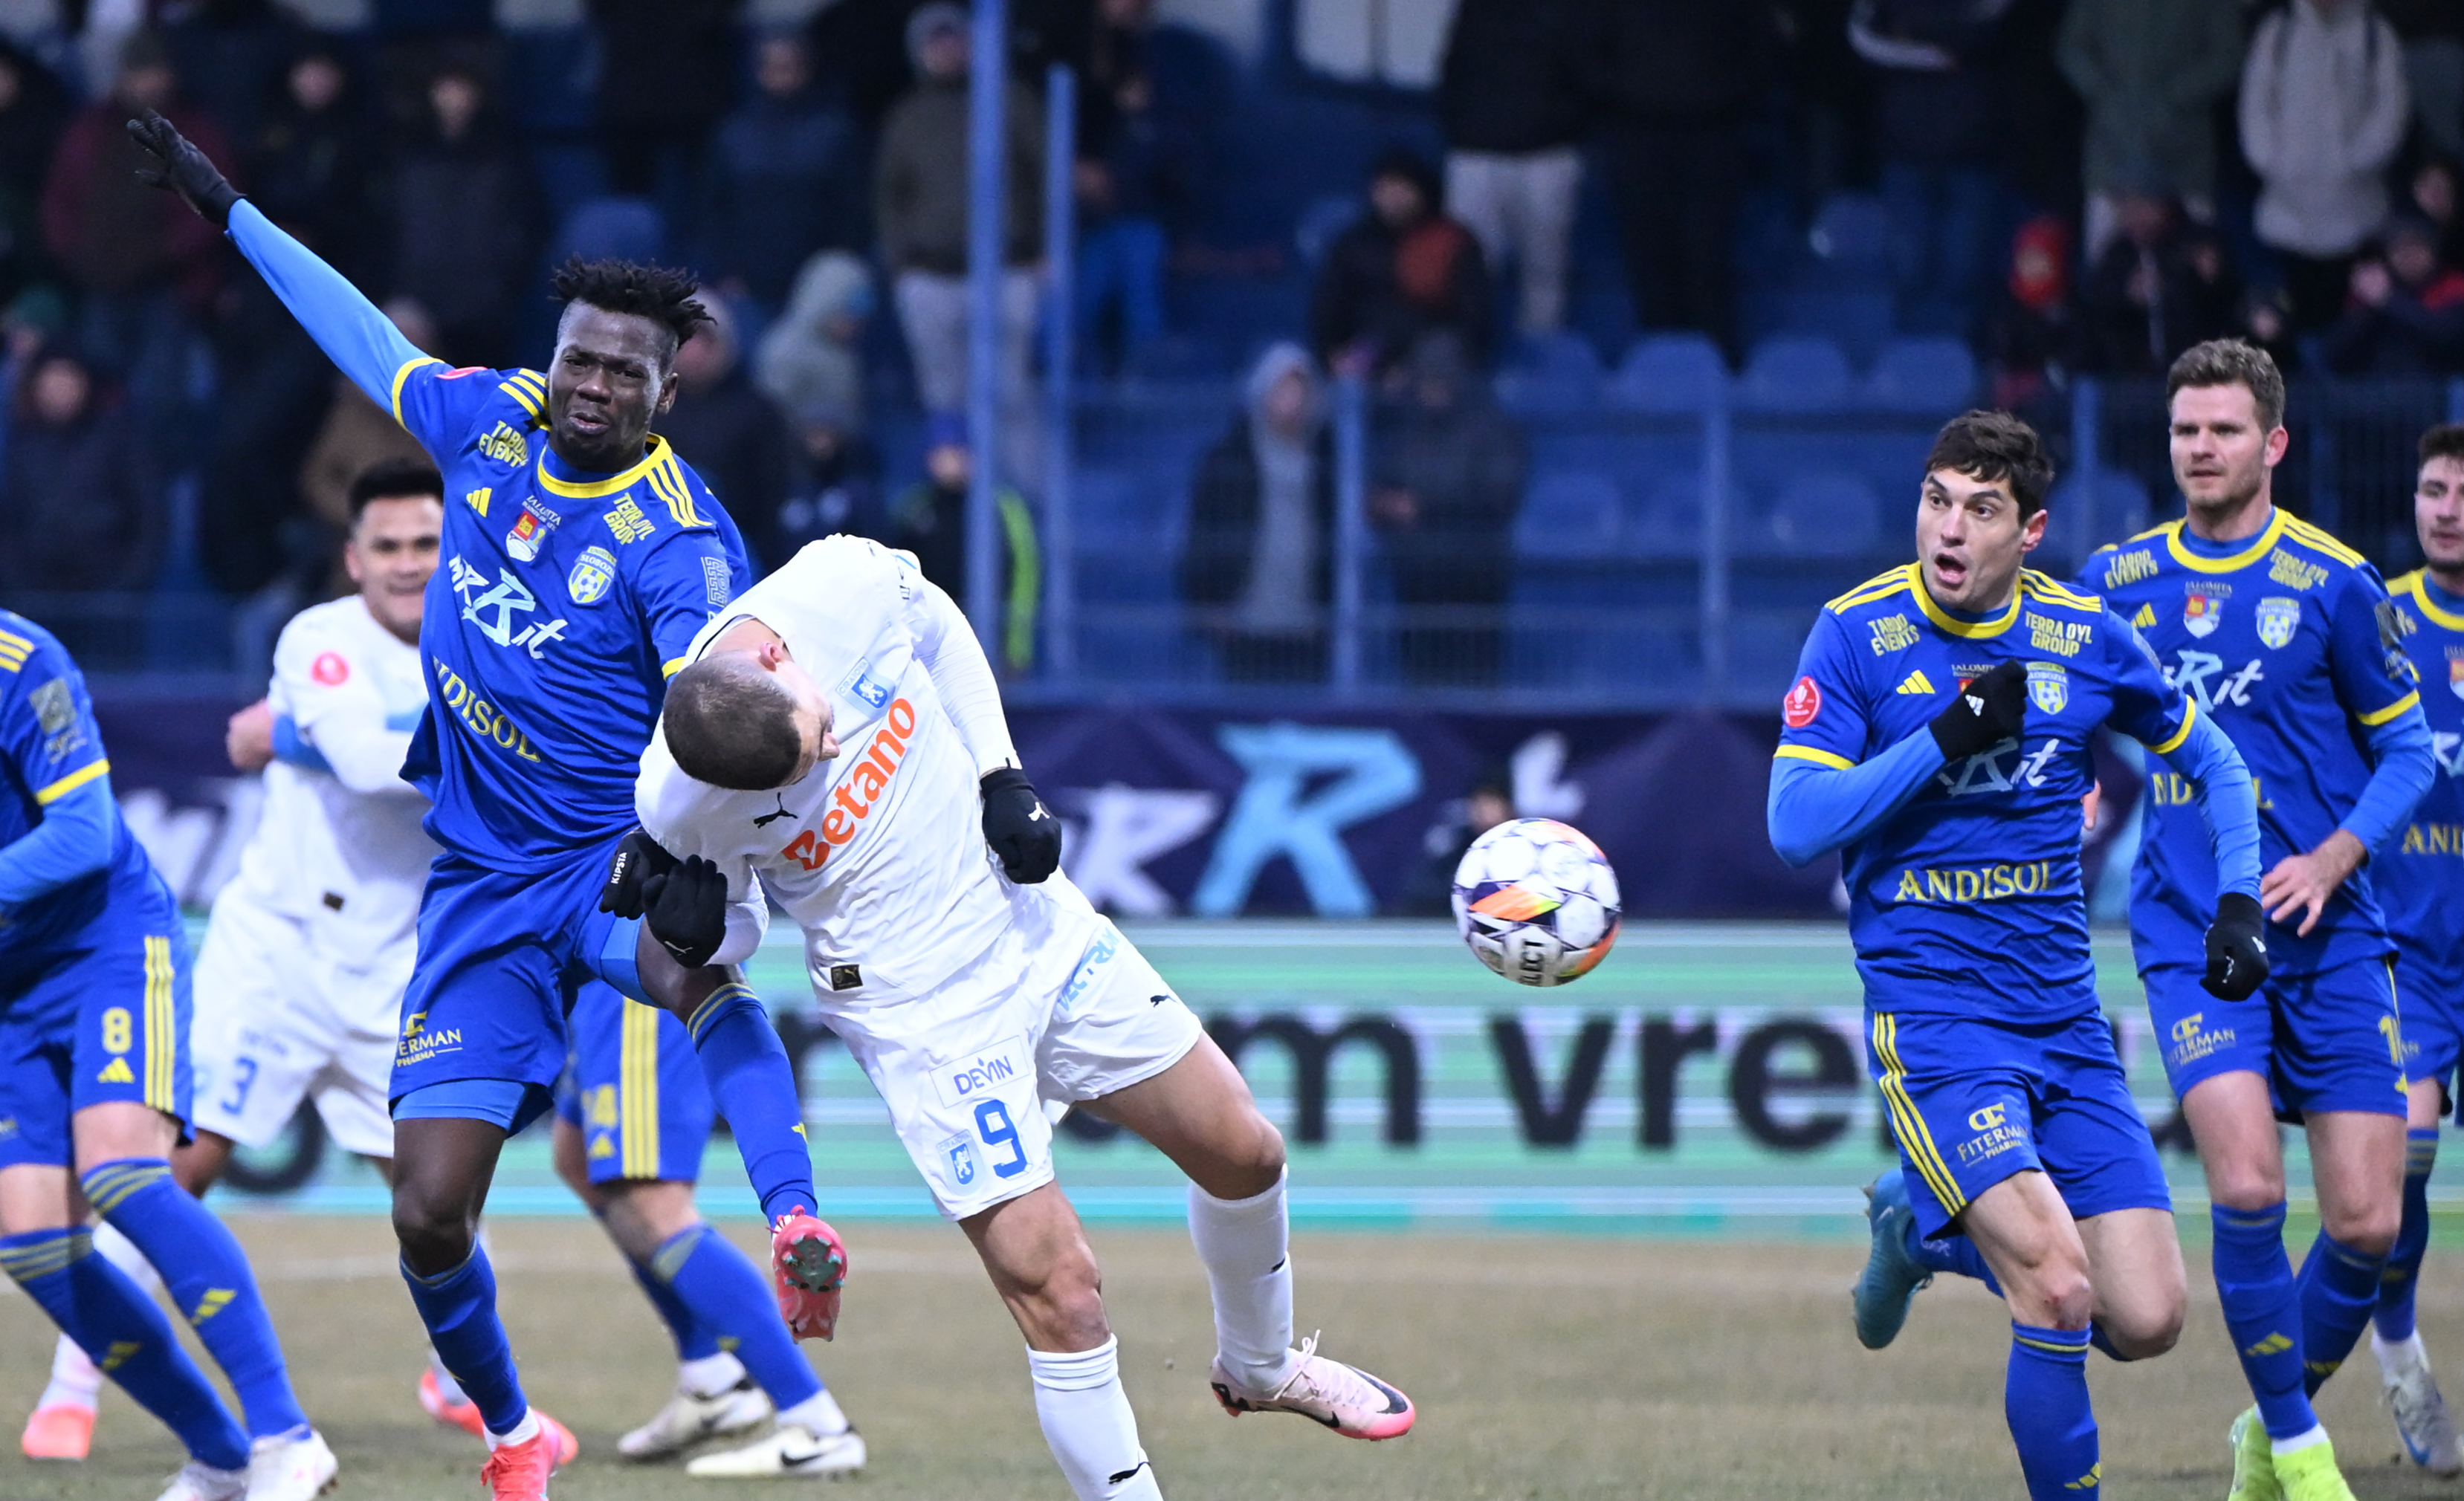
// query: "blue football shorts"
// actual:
[[636, 1090], [2325, 1041], [2432, 987], [1973, 1100], [102, 1021]]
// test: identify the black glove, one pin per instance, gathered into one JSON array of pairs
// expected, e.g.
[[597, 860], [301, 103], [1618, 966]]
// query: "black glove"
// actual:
[[1990, 711], [2237, 947], [178, 168], [1021, 830], [635, 872], [688, 911]]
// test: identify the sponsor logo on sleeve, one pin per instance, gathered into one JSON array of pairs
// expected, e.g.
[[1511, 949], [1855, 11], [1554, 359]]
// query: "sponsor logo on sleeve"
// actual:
[[714, 581], [55, 706], [1803, 704], [330, 669]]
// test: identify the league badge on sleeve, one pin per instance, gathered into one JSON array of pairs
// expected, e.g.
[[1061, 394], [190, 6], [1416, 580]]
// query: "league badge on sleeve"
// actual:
[[2277, 619], [2202, 610], [2049, 686], [1803, 704]]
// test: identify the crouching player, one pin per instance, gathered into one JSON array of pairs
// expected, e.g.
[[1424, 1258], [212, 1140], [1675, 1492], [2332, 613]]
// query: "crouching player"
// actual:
[[2421, 883], [1938, 733], [979, 998]]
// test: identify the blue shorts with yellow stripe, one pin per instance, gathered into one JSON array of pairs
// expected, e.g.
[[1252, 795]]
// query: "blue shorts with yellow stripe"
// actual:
[[2325, 1041], [102, 1021], [1973, 1100], [635, 1087], [2432, 984]]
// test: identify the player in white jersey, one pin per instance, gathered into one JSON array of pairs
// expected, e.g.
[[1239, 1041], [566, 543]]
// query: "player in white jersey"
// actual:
[[837, 740], [299, 979]]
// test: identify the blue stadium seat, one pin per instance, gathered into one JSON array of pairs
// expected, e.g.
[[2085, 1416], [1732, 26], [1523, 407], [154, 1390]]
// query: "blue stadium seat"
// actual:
[[1568, 513], [612, 229], [1554, 370], [1791, 374], [1934, 377], [1853, 230], [2084, 519], [1671, 371], [1670, 524], [1822, 515]]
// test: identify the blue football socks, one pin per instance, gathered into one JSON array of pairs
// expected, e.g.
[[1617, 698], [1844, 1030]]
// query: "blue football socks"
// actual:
[[2264, 1314], [209, 1280], [2340, 1287], [2044, 1398], [750, 1076], [459, 1308], [2401, 1278], [694, 1339], [727, 1294], [123, 1332]]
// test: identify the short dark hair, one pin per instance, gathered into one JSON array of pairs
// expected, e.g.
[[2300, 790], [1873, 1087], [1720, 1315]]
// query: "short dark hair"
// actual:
[[1997, 447], [2232, 362], [394, 479], [2445, 441], [730, 725], [662, 294]]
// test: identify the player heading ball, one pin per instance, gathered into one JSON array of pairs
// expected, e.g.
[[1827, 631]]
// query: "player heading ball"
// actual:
[[1938, 736]]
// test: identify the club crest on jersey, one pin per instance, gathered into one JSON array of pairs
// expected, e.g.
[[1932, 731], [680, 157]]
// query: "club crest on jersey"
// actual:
[[2049, 686], [959, 1152], [2277, 619], [861, 685], [530, 530], [2455, 672], [593, 572], [2203, 610]]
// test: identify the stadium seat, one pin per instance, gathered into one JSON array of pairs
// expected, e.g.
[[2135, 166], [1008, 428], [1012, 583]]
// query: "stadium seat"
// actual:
[[612, 229], [1791, 374], [2085, 519], [1671, 371], [1822, 515], [1852, 231], [1670, 524], [1568, 513], [1932, 377], [1552, 370]]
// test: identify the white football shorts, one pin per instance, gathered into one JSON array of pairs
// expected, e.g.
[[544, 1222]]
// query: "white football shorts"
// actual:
[[1054, 1013], [278, 1021]]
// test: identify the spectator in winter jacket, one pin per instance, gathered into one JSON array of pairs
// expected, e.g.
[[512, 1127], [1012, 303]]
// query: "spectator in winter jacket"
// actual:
[[2031, 338], [811, 360], [2324, 106], [230, 56], [1938, 106], [1512, 102], [1262, 527], [2161, 286], [79, 508], [315, 168], [2407, 312], [2152, 72], [929, 520], [731, 433], [465, 223], [782, 180], [1145, 107], [1401, 271]]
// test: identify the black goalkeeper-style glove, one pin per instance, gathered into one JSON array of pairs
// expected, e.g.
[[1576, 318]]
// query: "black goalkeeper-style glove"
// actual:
[[635, 872], [2237, 947], [178, 166], [1021, 830], [688, 912], [1990, 711]]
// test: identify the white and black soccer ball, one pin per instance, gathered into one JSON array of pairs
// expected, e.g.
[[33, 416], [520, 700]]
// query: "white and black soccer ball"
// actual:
[[1536, 901]]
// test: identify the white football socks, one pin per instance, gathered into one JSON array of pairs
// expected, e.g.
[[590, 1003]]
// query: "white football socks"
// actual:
[[709, 1375], [1088, 1422], [1244, 1246], [74, 1381], [820, 1412]]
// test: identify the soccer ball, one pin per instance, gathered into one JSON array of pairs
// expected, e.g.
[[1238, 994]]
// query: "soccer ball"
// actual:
[[1536, 900]]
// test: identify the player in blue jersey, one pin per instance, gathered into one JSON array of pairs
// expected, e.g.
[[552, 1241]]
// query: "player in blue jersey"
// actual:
[[93, 1073], [632, 1118], [581, 556], [1938, 734], [2420, 880], [2287, 637]]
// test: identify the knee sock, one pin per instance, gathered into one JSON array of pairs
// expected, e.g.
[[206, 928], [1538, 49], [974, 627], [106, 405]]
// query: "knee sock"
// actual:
[[74, 1381], [115, 1320], [694, 1340], [1087, 1420], [1952, 1253], [2401, 1278], [2340, 1287], [2264, 1314], [1244, 1247], [209, 1280], [459, 1308], [704, 1271], [748, 1071], [2044, 1398]]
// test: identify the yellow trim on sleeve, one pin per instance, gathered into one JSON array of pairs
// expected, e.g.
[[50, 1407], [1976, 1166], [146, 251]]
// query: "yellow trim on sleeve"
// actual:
[[671, 667], [2378, 717], [2173, 741], [594, 488], [404, 374], [1837, 763], [2258, 548], [70, 783]]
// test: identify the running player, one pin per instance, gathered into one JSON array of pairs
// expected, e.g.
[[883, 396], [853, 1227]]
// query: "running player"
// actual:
[[300, 982], [2286, 635], [1938, 733], [982, 999], [93, 1069], [581, 557], [2421, 882]]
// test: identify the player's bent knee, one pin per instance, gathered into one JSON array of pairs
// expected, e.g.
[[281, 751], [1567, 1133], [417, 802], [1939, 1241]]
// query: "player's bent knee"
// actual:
[[2370, 1231], [434, 1233]]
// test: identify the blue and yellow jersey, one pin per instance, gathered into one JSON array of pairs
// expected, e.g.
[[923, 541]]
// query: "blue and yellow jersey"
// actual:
[[560, 605], [2420, 874], [49, 749], [2289, 640], [1968, 900]]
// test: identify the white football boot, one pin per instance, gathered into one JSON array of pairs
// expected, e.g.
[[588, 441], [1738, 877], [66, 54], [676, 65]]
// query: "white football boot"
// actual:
[[201, 1482], [791, 1450], [2421, 1418], [287, 1468], [689, 1419]]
